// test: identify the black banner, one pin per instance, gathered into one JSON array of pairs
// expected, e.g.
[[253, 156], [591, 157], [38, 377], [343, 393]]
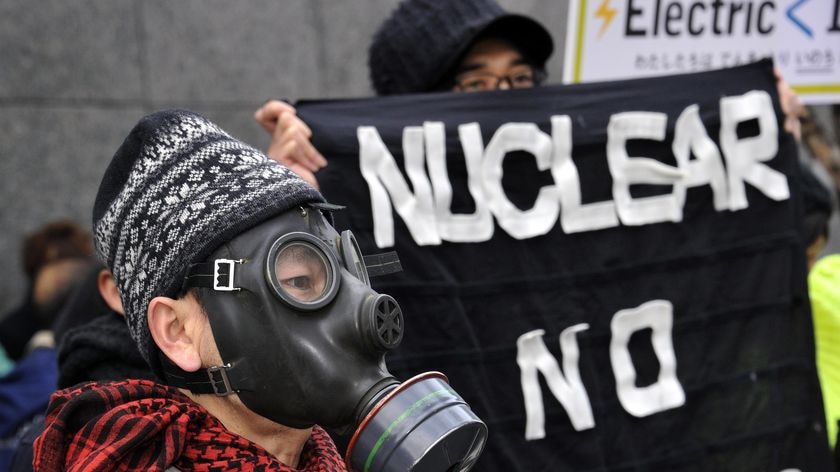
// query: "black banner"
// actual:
[[610, 274]]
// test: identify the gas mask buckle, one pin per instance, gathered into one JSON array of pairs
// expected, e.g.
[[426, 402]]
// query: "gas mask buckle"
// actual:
[[218, 274], [218, 375]]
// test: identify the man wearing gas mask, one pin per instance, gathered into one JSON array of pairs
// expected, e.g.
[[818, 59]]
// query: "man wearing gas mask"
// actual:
[[259, 317]]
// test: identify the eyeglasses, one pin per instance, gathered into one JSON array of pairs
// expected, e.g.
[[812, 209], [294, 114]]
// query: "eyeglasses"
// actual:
[[481, 81]]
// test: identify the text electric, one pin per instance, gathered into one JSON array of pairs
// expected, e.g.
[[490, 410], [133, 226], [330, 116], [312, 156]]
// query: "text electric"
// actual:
[[717, 18]]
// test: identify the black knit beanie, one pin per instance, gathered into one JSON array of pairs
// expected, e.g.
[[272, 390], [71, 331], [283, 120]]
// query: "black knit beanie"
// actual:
[[422, 39], [177, 188]]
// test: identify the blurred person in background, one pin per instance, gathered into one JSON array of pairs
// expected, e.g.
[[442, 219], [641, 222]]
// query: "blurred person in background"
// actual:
[[93, 343], [824, 270], [54, 257], [25, 391], [824, 291]]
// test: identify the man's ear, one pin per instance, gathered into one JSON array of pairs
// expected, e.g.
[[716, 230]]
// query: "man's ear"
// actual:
[[108, 290], [169, 323]]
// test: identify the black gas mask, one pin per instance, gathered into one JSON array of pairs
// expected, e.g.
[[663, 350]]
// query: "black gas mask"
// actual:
[[303, 339]]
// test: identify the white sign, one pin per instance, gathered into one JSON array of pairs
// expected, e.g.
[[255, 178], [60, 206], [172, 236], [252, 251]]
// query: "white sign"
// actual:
[[617, 39]]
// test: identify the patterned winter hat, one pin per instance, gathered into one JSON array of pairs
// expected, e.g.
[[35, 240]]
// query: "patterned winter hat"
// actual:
[[421, 41], [177, 188]]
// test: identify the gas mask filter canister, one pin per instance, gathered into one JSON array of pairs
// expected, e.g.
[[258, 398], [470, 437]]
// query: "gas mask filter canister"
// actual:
[[303, 339], [421, 425]]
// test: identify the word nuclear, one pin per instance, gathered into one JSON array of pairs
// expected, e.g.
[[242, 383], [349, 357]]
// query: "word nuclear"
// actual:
[[533, 357], [427, 215]]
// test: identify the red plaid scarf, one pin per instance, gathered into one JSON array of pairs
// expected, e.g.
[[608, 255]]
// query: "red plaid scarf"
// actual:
[[138, 425]]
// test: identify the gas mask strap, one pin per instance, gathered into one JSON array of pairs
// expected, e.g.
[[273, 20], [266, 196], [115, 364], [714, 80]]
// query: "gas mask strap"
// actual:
[[220, 380], [382, 264], [328, 208], [218, 274]]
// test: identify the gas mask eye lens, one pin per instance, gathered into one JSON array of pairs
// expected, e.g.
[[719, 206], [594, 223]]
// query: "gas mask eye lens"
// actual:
[[300, 272]]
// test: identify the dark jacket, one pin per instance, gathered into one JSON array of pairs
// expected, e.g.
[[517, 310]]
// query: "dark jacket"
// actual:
[[102, 349]]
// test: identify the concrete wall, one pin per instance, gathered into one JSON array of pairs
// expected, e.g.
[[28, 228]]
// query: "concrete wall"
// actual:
[[76, 76]]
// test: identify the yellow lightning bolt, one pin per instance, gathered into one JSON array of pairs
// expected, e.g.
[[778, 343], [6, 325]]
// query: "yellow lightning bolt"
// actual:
[[604, 11]]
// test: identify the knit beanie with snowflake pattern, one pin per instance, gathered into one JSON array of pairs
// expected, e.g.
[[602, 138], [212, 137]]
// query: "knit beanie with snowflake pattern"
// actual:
[[176, 189]]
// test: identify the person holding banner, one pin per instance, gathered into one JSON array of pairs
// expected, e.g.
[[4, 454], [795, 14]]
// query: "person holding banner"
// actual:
[[477, 46]]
